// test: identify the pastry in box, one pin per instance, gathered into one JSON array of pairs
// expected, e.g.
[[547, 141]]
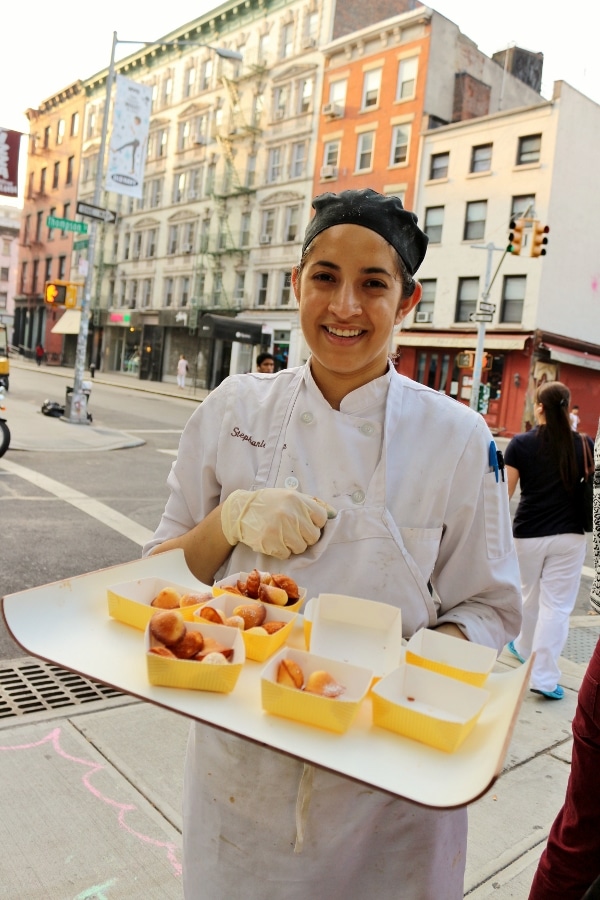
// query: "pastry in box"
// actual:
[[216, 665], [450, 656], [427, 707], [275, 588], [312, 689], [135, 602], [265, 628]]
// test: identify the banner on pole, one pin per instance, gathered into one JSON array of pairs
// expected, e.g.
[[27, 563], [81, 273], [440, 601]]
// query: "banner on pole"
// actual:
[[10, 143], [129, 138]]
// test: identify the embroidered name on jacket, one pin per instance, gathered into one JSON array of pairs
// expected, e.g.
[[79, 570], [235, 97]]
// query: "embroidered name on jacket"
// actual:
[[246, 437]]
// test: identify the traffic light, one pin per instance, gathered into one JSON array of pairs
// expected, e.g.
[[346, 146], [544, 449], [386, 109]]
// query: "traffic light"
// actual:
[[55, 292], [515, 238], [539, 240]]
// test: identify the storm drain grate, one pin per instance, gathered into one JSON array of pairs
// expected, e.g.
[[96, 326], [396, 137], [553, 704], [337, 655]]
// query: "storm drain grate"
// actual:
[[580, 644], [34, 687]]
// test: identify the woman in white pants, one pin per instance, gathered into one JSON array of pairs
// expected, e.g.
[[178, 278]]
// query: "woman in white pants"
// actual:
[[548, 531]]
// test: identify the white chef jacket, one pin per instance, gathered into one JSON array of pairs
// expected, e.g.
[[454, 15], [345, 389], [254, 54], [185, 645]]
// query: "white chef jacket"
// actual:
[[421, 524]]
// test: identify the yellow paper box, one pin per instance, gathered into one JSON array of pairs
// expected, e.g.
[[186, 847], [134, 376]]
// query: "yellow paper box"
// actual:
[[193, 674], [450, 656], [258, 646], [364, 633], [130, 601], [427, 707], [220, 587], [333, 714]]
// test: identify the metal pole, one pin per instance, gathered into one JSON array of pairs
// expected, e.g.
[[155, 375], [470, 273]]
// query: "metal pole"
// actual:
[[78, 412], [481, 335]]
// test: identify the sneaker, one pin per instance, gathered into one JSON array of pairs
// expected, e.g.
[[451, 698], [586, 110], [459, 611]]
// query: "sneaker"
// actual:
[[557, 694], [512, 649]]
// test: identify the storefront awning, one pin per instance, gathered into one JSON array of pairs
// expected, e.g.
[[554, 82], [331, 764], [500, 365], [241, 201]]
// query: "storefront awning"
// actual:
[[69, 322], [464, 341], [229, 329], [572, 357]]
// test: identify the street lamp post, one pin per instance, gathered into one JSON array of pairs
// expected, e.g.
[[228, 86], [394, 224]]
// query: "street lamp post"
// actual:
[[78, 411]]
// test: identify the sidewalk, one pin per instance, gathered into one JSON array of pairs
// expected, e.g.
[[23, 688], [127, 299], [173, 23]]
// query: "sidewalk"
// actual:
[[91, 781]]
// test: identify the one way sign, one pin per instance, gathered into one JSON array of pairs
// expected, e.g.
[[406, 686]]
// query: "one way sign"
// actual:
[[96, 212]]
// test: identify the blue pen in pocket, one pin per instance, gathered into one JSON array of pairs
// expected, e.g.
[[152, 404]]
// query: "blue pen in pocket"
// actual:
[[493, 459]]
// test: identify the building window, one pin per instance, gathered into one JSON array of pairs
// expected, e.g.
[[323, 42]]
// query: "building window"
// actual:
[[51, 230], [424, 311], [190, 82], [55, 175], [195, 179], [178, 187], [168, 289], [66, 215], [274, 165], [204, 235], [292, 219], [287, 40], [364, 151], [245, 230], [183, 134], [263, 285], [475, 221], [75, 124], [223, 232], [305, 95], [3, 299], [285, 288], [39, 218], [173, 240], [43, 181], [407, 78], [439, 166], [331, 153], [46, 137], [4, 273], [23, 284], [513, 298], [529, 149], [217, 288], [481, 158], [280, 96], [133, 293], [48, 269], [34, 276], [337, 94], [251, 170], [211, 174], [126, 244], [136, 251], [371, 88], [466, 301], [206, 74], [91, 124], [184, 290], [434, 222], [155, 192], [70, 167], [146, 292], [151, 242], [62, 267], [267, 226], [522, 205], [238, 291], [298, 161], [400, 142], [263, 48], [60, 131], [189, 237]]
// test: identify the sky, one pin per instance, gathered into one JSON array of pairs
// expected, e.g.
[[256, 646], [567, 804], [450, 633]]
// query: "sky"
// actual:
[[43, 48]]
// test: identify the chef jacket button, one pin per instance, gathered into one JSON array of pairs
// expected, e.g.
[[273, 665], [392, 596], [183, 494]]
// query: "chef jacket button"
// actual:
[[366, 428], [307, 418], [358, 497], [291, 483]]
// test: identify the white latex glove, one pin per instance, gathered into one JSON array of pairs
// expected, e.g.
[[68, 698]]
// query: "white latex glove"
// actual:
[[274, 521]]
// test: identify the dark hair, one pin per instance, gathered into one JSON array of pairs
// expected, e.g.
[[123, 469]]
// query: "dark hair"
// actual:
[[262, 357], [555, 397]]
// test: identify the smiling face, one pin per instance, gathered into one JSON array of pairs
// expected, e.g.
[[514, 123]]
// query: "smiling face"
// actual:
[[350, 296]]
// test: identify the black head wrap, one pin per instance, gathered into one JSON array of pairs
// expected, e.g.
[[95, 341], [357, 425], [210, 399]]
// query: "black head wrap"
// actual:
[[366, 207]]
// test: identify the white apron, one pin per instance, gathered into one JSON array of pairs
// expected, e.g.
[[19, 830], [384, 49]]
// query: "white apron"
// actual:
[[260, 824]]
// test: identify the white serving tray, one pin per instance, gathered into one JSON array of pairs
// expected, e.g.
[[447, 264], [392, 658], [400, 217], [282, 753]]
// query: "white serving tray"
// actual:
[[67, 623]]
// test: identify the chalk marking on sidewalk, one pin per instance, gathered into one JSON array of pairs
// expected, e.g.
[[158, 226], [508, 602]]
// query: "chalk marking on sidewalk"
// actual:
[[94, 508]]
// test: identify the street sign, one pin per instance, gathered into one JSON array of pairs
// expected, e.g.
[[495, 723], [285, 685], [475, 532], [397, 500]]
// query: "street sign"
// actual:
[[80, 245], [481, 317], [486, 307], [96, 212], [66, 225]]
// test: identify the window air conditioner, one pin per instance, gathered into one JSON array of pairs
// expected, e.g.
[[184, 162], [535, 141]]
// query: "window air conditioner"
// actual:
[[309, 42], [332, 109], [265, 239], [329, 171], [200, 140], [192, 195], [186, 248], [423, 317]]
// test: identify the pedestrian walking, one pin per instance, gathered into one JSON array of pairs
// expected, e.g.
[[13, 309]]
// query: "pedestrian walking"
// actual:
[[265, 362], [182, 368], [569, 867], [549, 534], [396, 520], [39, 354], [574, 418]]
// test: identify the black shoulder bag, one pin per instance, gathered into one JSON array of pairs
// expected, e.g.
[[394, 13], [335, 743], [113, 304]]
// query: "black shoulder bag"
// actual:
[[587, 485]]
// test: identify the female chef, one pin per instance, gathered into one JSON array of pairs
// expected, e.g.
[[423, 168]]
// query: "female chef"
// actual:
[[408, 512]]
